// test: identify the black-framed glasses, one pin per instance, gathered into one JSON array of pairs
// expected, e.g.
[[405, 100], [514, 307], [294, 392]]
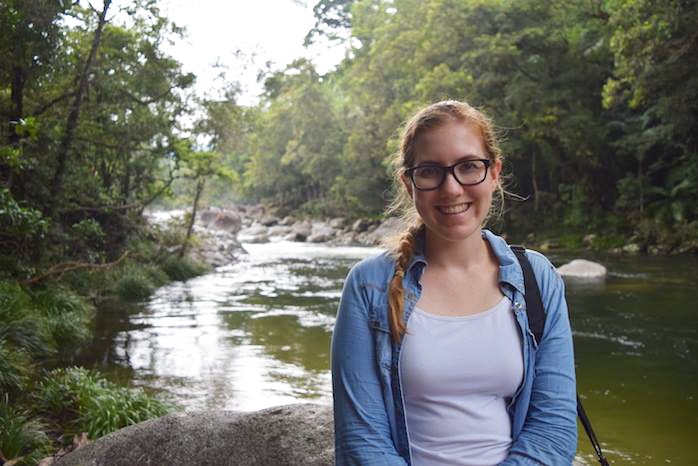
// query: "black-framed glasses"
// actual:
[[466, 172]]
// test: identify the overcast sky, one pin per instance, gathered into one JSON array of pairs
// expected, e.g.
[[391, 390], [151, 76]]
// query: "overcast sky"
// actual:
[[263, 30]]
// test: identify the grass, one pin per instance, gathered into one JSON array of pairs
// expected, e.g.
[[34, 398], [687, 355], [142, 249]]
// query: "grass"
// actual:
[[86, 402], [22, 438]]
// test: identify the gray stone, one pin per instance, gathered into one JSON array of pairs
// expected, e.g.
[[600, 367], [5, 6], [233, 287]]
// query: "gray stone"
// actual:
[[360, 225], [589, 240], [279, 230], [287, 221], [581, 268], [300, 434], [338, 222], [269, 220], [228, 221]]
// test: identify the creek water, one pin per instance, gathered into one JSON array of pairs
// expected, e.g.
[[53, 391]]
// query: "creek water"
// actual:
[[256, 334]]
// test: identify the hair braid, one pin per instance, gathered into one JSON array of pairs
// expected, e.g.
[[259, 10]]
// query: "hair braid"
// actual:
[[395, 291]]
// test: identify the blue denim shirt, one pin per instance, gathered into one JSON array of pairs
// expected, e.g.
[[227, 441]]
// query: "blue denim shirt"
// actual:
[[369, 411]]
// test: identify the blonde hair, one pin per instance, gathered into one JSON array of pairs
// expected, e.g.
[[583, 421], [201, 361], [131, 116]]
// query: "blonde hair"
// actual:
[[402, 245]]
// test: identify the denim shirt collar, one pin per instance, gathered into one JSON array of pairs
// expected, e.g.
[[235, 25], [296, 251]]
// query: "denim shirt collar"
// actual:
[[509, 268]]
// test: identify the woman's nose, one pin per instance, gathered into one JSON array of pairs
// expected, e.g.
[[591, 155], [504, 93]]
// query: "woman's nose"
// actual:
[[450, 184]]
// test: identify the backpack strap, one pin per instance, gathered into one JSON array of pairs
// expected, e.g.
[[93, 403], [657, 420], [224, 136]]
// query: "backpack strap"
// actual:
[[536, 322], [534, 304]]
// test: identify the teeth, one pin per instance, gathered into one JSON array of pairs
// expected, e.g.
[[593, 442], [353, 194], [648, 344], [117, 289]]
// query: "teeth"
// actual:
[[454, 209]]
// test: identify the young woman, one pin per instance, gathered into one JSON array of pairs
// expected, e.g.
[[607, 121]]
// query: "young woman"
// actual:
[[433, 361]]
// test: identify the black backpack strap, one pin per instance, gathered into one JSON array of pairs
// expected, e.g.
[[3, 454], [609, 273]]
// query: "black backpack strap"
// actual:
[[536, 322], [534, 304]]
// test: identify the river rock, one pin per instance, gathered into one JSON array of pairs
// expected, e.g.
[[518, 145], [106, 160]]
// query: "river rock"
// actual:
[[287, 221], [279, 230], [322, 232], [228, 220], [300, 434], [338, 223], [360, 225], [269, 220], [581, 268]]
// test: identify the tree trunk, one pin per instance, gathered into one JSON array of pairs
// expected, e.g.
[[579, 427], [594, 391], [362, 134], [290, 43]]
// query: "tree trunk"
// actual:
[[534, 183], [640, 184], [197, 195], [74, 114]]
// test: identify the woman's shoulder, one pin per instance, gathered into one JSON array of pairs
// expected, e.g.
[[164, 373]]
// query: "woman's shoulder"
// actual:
[[376, 267]]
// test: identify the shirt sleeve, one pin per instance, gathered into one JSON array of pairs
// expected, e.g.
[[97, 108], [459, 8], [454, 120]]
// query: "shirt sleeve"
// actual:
[[549, 434], [362, 429]]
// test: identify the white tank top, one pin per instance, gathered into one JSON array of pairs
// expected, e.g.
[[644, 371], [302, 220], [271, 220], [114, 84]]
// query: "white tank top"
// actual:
[[457, 376]]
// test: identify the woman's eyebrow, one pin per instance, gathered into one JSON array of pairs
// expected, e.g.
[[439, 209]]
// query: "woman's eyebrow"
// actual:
[[460, 159]]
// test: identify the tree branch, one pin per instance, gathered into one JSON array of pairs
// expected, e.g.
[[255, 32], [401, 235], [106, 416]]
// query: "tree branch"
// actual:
[[64, 267]]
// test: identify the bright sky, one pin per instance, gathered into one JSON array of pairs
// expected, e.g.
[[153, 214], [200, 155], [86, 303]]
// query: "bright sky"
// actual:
[[262, 30]]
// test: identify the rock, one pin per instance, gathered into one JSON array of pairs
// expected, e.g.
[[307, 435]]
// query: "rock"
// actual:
[[208, 215], [260, 238], [631, 248], [287, 221], [295, 236], [338, 222], [300, 434], [269, 220], [228, 221], [581, 268], [589, 239], [321, 233], [360, 225], [279, 230]]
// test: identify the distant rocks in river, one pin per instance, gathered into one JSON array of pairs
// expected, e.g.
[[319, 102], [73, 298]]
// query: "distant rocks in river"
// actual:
[[337, 231], [581, 268], [301, 434]]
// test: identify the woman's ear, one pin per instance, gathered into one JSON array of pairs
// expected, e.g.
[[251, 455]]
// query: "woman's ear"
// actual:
[[496, 170]]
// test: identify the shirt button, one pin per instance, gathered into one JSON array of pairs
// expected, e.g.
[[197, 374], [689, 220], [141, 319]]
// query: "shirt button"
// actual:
[[517, 305]]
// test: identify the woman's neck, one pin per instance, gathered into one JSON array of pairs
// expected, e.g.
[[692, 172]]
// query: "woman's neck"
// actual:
[[466, 254]]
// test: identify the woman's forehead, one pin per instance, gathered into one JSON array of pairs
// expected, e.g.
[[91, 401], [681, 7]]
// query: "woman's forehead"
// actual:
[[450, 141]]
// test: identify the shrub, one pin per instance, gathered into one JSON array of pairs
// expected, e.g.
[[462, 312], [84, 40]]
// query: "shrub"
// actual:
[[133, 283], [67, 316], [182, 268], [22, 439], [14, 368], [22, 326], [89, 403]]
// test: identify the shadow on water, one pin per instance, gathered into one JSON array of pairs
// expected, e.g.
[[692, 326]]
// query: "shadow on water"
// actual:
[[256, 334]]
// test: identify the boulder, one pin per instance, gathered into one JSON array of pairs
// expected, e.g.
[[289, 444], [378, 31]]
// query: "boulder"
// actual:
[[360, 225], [227, 220], [338, 223], [208, 215], [580, 268], [287, 221], [269, 220], [300, 434], [321, 233], [631, 248]]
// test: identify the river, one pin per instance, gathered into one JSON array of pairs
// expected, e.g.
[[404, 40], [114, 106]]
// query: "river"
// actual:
[[256, 334]]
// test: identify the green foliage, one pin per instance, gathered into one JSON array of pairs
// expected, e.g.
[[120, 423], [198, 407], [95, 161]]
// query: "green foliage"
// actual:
[[67, 317], [22, 439], [133, 283], [14, 368], [89, 403], [181, 268]]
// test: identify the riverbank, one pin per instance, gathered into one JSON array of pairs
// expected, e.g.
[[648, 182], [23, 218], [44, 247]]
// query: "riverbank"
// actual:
[[47, 402]]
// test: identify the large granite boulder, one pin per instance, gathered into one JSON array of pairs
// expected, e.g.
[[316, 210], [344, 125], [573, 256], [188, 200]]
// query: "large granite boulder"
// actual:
[[300, 434], [581, 268]]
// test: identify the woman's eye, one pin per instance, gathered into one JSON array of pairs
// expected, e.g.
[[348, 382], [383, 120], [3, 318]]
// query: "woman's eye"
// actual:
[[428, 172], [467, 167]]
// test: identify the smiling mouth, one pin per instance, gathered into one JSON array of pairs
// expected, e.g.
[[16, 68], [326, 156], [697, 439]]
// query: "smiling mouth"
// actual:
[[454, 209]]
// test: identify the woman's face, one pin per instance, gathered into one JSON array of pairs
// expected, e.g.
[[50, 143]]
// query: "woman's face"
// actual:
[[453, 212]]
